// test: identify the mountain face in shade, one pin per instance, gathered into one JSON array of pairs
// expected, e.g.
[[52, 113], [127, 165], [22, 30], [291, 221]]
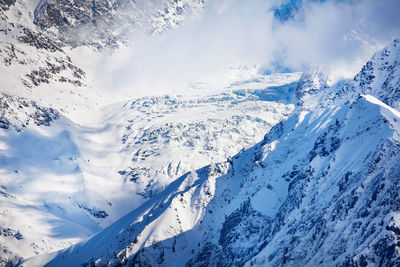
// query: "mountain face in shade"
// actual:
[[320, 189]]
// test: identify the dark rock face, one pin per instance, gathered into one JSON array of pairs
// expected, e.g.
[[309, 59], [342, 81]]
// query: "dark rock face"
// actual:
[[66, 16], [245, 229], [5, 4], [10, 233], [12, 107], [39, 40], [7, 257], [53, 70], [326, 143], [48, 64], [100, 214]]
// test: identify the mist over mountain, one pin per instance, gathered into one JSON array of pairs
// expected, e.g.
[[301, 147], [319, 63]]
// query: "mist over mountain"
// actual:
[[199, 133]]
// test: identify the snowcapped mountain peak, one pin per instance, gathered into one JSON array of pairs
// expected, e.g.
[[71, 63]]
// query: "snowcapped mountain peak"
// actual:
[[379, 77]]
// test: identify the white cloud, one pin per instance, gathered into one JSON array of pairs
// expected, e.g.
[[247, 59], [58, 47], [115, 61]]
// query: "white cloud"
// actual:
[[339, 36]]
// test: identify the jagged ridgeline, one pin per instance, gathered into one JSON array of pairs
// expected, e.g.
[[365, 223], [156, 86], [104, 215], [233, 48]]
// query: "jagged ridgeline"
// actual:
[[110, 22]]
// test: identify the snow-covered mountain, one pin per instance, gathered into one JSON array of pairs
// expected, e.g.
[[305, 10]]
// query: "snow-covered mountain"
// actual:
[[194, 176], [325, 179]]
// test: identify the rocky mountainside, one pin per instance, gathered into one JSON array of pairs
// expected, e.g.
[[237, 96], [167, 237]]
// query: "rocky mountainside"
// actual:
[[42, 43], [17, 113], [36, 64], [326, 179], [105, 23]]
